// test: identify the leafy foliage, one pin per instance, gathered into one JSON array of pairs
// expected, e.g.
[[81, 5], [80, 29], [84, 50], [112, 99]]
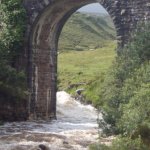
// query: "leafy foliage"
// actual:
[[122, 144], [125, 96], [128, 76], [136, 95], [12, 28]]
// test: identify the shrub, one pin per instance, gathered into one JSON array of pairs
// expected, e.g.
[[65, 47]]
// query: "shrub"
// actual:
[[12, 28], [128, 144], [122, 143], [126, 87]]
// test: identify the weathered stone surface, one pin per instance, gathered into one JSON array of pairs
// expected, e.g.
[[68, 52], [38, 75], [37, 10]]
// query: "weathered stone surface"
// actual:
[[45, 21]]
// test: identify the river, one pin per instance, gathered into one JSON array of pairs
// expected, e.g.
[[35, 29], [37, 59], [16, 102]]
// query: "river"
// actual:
[[75, 129]]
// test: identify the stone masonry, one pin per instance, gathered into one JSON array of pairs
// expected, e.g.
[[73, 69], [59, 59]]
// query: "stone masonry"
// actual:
[[45, 21]]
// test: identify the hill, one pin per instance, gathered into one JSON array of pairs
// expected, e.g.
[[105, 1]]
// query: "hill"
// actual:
[[87, 46], [85, 31]]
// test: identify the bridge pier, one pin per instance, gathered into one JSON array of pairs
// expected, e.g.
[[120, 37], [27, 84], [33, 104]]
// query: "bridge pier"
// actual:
[[44, 87]]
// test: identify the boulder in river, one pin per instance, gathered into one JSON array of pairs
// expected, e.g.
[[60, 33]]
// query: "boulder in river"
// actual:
[[43, 147]]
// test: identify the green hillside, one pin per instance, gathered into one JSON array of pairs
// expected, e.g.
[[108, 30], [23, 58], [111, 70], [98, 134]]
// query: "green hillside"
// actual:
[[87, 46], [86, 31]]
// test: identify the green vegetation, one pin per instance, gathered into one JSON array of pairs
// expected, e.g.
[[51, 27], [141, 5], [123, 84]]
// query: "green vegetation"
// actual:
[[125, 96], [120, 90], [86, 32], [122, 144], [85, 68], [12, 27]]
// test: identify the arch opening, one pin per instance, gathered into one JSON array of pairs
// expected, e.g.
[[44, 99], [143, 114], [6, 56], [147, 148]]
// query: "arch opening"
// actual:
[[86, 49], [43, 54]]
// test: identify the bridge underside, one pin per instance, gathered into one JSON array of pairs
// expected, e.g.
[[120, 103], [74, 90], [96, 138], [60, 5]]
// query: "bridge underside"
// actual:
[[46, 19]]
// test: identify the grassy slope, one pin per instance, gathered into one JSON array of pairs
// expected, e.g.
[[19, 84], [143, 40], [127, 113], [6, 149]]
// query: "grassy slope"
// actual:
[[86, 53], [77, 66], [86, 31]]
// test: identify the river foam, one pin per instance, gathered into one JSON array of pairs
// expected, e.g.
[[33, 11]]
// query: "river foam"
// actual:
[[75, 128]]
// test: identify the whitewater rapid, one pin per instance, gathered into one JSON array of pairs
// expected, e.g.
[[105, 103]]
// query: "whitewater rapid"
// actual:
[[75, 129]]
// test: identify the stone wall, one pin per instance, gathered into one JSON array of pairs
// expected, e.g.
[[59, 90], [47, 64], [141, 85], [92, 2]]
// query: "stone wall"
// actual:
[[45, 21]]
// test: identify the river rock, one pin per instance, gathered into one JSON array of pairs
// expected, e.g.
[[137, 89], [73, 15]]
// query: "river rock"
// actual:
[[65, 142], [43, 147]]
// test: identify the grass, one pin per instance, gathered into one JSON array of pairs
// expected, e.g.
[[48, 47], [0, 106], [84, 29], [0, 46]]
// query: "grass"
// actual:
[[85, 32], [86, 51], [80, 69]]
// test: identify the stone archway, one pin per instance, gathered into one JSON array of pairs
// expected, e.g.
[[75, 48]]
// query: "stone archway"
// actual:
[[46, 19]]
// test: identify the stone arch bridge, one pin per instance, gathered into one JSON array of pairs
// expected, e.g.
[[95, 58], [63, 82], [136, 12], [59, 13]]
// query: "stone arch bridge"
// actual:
[[45, 21]]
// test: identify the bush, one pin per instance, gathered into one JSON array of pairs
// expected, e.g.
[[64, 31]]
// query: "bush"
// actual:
[[136, 101], [122, 143], [12, 28], [125, 94], [128, 144]]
